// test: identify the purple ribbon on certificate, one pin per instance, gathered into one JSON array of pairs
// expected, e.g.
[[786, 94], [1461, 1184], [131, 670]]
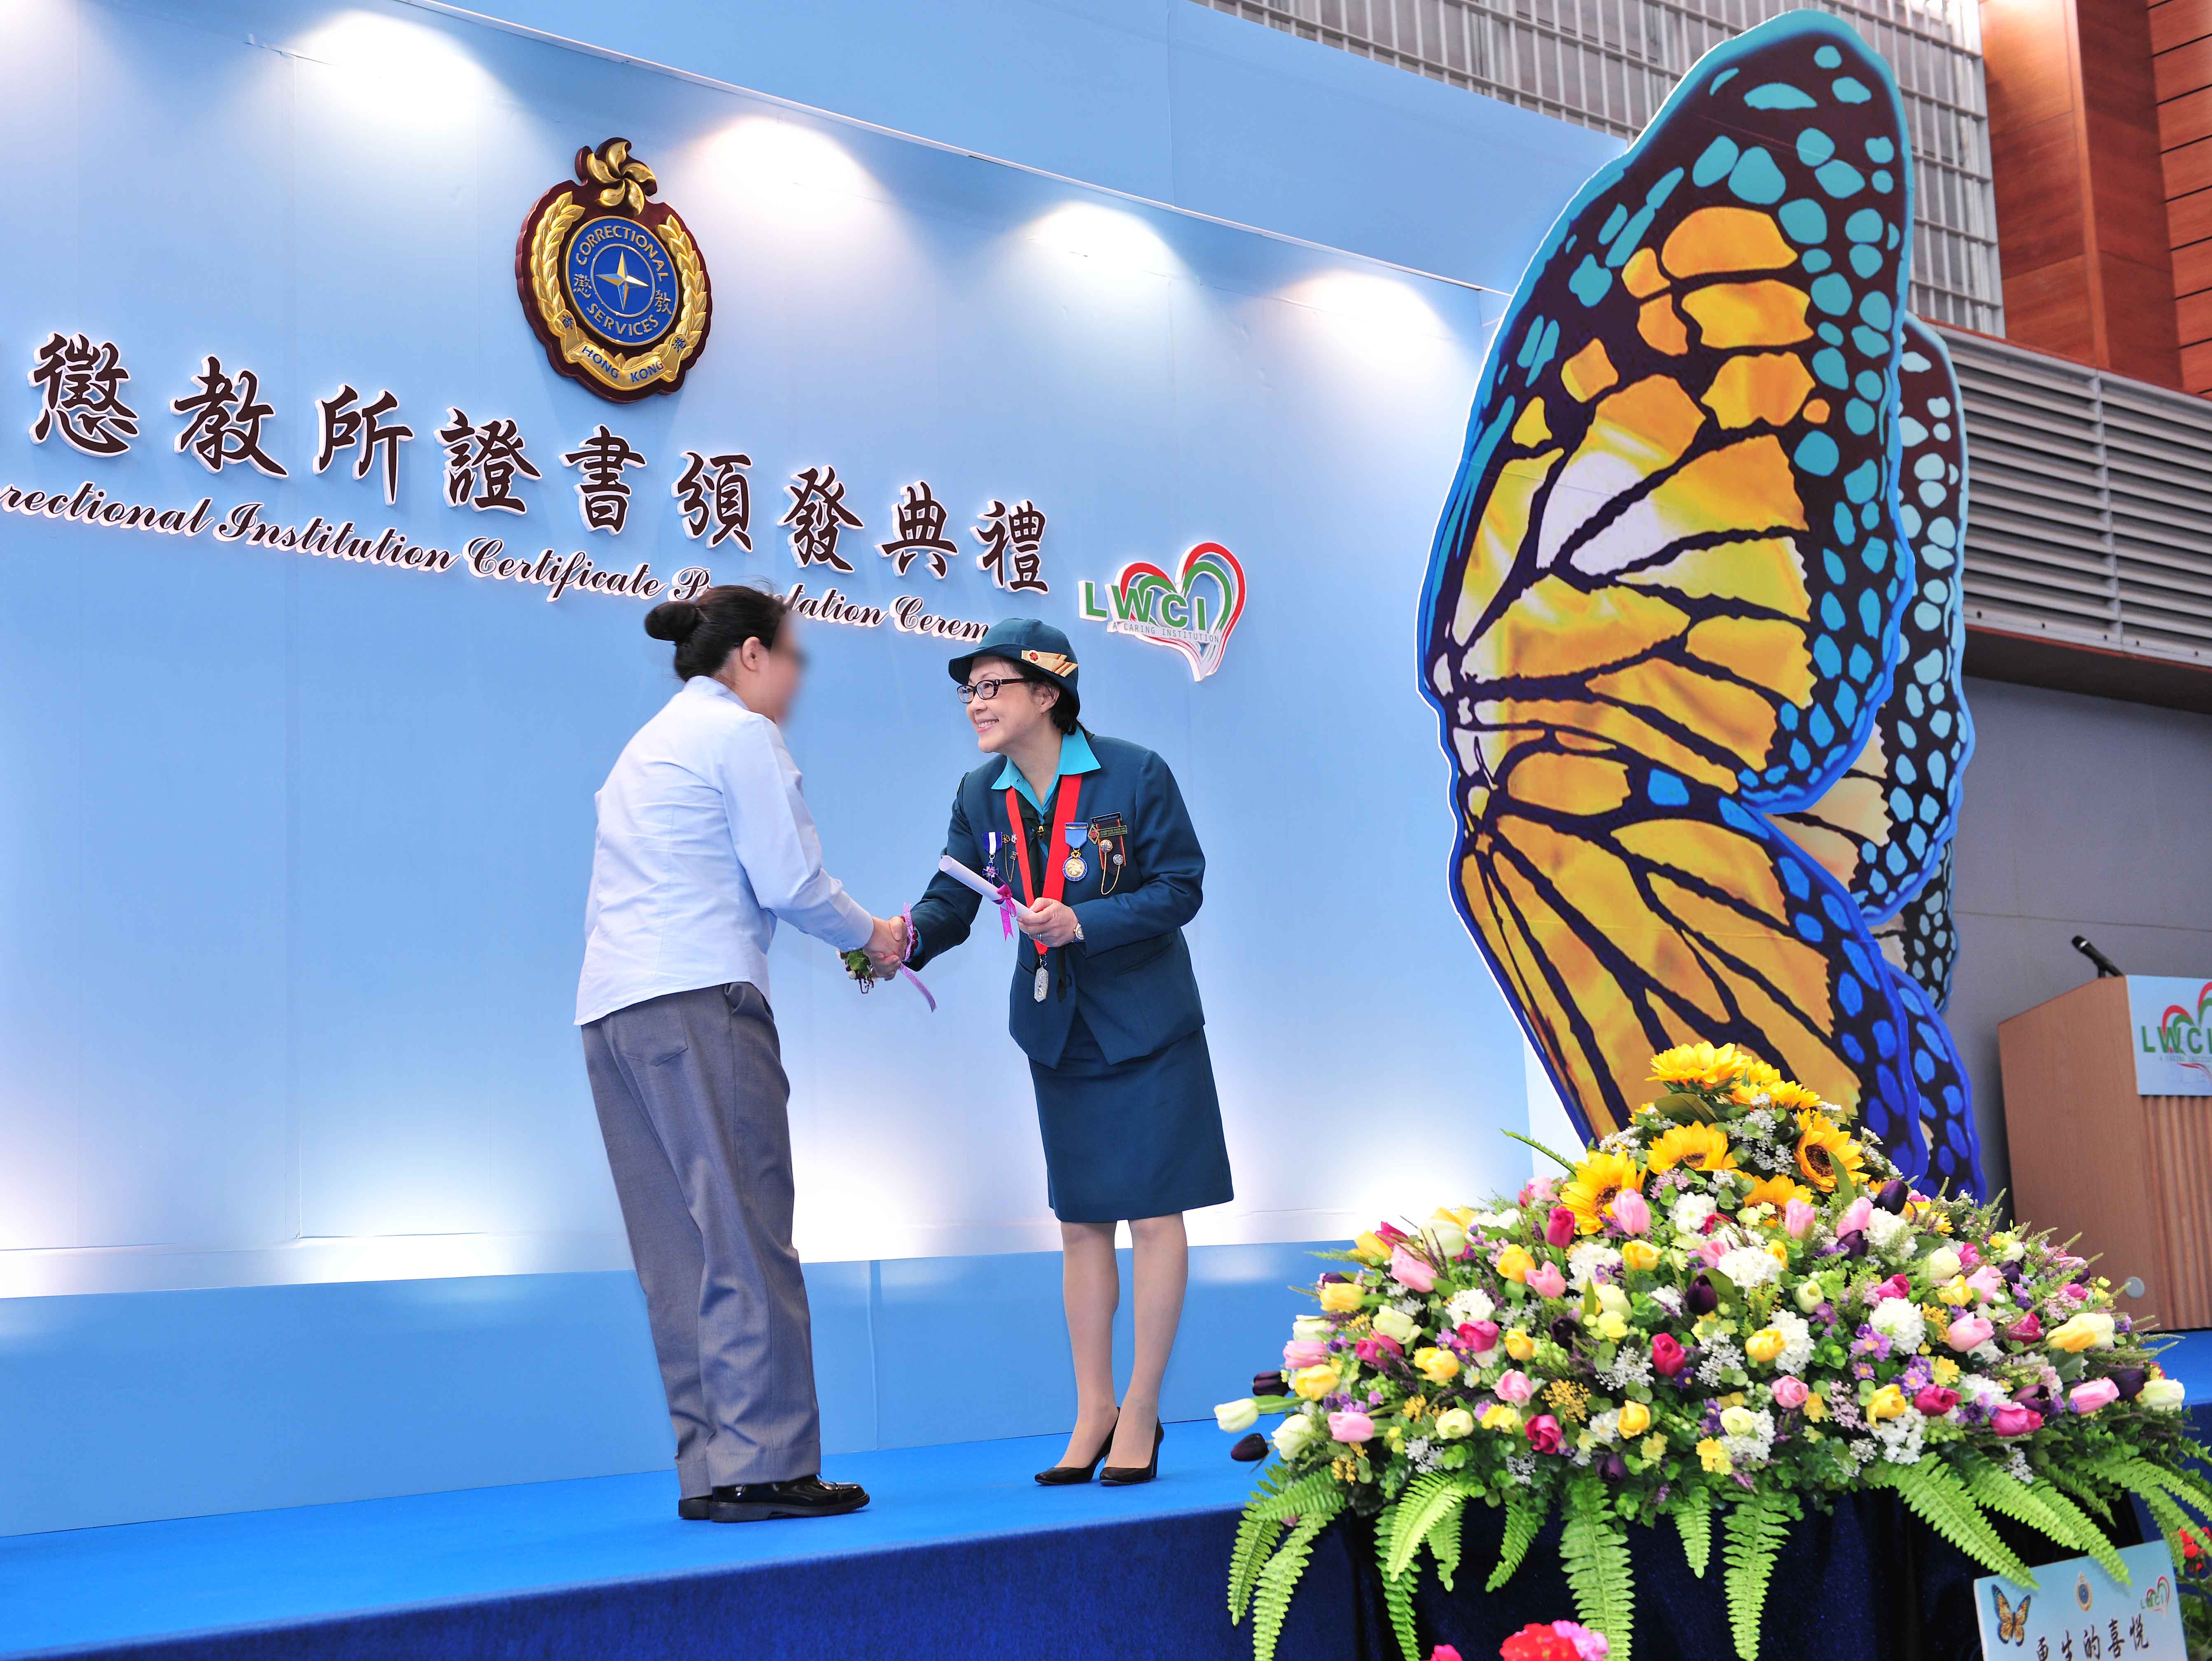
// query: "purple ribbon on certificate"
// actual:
[[1005, 912], [908, 915]]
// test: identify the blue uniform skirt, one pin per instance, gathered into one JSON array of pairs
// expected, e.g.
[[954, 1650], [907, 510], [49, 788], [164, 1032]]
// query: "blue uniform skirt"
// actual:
[[1139, 1138]]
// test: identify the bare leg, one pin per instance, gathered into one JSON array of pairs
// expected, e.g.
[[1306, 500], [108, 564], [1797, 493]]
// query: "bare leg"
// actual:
[[1090, 1285], [1163, 1268]]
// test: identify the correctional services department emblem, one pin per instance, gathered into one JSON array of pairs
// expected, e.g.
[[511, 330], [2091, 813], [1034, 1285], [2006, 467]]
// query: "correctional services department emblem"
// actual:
[[613, 285]]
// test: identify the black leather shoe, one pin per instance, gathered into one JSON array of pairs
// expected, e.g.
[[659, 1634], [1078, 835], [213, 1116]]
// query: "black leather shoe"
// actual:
[[802, 1496], [695, 1510], [1061, 1476], [1122, 1476]]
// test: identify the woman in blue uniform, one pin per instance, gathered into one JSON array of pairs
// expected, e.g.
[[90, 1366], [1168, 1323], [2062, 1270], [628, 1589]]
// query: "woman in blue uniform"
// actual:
[[1091, 833]]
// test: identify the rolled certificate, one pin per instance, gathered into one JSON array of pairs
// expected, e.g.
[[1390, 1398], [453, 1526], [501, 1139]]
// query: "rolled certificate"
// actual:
[[990, 890]]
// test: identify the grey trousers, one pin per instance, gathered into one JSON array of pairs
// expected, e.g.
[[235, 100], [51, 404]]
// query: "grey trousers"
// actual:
[[692, 1098]]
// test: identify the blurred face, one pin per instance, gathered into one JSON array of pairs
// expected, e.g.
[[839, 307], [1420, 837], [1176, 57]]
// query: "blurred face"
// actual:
[[1005, 709], [767, 679]]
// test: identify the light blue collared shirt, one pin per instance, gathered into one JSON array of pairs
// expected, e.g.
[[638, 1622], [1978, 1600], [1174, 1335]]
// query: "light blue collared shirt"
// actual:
[[1075, 757]]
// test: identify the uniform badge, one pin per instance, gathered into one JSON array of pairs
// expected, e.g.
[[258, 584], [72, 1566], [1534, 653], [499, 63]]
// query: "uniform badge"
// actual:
[[614, 287], [1074, 867]]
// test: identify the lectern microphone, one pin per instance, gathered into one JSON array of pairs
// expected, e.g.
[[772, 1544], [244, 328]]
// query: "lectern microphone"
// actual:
[[2106, 969]]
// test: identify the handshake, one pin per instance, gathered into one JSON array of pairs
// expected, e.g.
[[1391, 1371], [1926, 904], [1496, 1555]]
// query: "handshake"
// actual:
[[887, 945]]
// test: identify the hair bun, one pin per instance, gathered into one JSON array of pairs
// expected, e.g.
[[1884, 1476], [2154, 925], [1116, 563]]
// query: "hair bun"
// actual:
[[673, 619]]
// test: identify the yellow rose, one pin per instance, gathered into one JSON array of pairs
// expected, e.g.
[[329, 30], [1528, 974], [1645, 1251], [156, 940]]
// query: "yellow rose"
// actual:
[[1518, 1344], [1314, 1382], [1454, 1423], [1956, 1292], [1739, 1421], [1765, 1344], [1635, 1419], [1440, 1366], [1612, 1326], [1341, 1297], [2085, 1331], [1515, 1263], [1640, 1255], [1500, 1417], [1887, 1402], [1779, 1252], [1714, 1458], [1369, 1248], [1816, 1408]]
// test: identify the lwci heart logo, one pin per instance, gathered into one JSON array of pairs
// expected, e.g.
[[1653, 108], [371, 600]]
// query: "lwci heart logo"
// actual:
[[1193, 613]]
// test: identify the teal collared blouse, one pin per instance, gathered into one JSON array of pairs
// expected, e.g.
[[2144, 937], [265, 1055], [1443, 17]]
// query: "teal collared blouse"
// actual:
[[1075, 757]]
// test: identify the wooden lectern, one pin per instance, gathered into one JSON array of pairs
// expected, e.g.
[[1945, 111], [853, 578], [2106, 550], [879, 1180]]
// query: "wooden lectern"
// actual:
[[2131, 1174]]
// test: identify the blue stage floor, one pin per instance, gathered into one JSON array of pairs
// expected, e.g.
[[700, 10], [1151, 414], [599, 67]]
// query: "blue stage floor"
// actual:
[[960, 1551], [103, 1586]]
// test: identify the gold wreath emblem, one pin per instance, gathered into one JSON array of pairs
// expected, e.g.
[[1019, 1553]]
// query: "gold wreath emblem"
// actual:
[[610, 179]]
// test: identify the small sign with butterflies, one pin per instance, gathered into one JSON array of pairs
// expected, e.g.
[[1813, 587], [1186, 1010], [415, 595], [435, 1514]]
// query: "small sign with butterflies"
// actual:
[[2079, 1612]]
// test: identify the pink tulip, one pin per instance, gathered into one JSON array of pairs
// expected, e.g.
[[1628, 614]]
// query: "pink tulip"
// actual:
[[1375, 1350], [1559, 1226], [2014, 1420], [1968, 1332], [1935, 1401], [2075, 1291], [1546, 1281], [1791, 1392], [1631, 1215], [1895, 1287], [2092, 1394], [1478, 1335], [2026, 1330], [1540, 1191], [1711, 1251], [1513, 1386], [1390, 1233], [1350, 1425], [1310, 1354], [1854, 1216], [1798, 1218], [1544, 1433], [1667, 1355], [1412, 1272], [1968, 1255], [1986, 1282]]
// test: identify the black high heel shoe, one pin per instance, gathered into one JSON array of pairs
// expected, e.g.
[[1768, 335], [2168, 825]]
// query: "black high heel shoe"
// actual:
[[1061, 1476], [1122, 1476]]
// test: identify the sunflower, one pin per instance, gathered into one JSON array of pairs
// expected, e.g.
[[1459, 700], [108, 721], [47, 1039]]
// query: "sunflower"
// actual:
[[1790, 1094], [1756, 1080], [1592, 1188], [1777, 1191], [1701, 1064], [1823, 1150], [1701, 1147]]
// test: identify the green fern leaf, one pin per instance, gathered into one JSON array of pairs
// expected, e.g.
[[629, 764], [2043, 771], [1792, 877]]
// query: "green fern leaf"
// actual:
[[1255, 1540], [1427, 1503], [1272, 1601], [1594, 1552], [1694, 1521], [1398, 1603], [2139, 1473], [2042, 1508], [1753, 1534], [1933, 1492], [1445, 1542], [2092, 1498], [1524, 1521]]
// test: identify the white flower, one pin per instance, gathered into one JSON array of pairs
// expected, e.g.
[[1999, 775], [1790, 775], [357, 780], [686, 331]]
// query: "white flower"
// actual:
[[1749, 1266], [1312, 1329], [2016, 1252], [1690, 1213], [1238, 1415], [1450, 1238], [1748, 1436], [1898, 1319], [1606, 1426], [1396, 1325], [1583, 1261], [1295, 1432], [1943, 1263], [1611, 1298], [1889, 1233], [1810, 1295], [1669, 1298], [1473, 1305], [1796, 1353], [1988, 1392], [1900, 1437], [2166, 1393]]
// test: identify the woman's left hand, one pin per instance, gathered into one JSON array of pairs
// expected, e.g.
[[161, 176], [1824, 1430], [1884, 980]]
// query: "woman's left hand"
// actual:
[[1049, 923]]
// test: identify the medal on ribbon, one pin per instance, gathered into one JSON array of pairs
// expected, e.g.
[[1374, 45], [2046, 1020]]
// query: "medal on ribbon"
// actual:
[[1077, 836]]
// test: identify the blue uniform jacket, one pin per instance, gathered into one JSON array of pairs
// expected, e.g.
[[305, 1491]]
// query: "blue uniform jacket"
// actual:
[[1130, 974]]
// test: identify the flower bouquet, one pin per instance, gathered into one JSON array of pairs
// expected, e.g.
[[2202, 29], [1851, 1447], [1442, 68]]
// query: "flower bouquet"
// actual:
[[1724, 1312]]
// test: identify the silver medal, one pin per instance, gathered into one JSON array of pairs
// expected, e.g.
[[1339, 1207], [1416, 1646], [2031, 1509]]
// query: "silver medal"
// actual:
[[1041, 978]]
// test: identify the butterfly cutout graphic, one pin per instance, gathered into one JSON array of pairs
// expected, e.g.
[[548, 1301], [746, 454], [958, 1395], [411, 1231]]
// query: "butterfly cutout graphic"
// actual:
[[1692, 648], [2012, 1618]]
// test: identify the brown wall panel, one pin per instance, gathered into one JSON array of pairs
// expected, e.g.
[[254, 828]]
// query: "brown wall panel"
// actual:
[[2192, 268], [2191, 216], [2193, 314], [2189, 168], [2196, 367], [2183, 70], [2176, 23], [2186, 119], [2139, 326]]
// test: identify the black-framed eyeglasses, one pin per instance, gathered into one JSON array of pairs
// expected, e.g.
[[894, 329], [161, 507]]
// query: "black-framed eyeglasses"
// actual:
[[986, 690]]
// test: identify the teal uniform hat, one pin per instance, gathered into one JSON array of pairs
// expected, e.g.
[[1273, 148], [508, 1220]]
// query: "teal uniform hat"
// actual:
[[1033, 643]]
